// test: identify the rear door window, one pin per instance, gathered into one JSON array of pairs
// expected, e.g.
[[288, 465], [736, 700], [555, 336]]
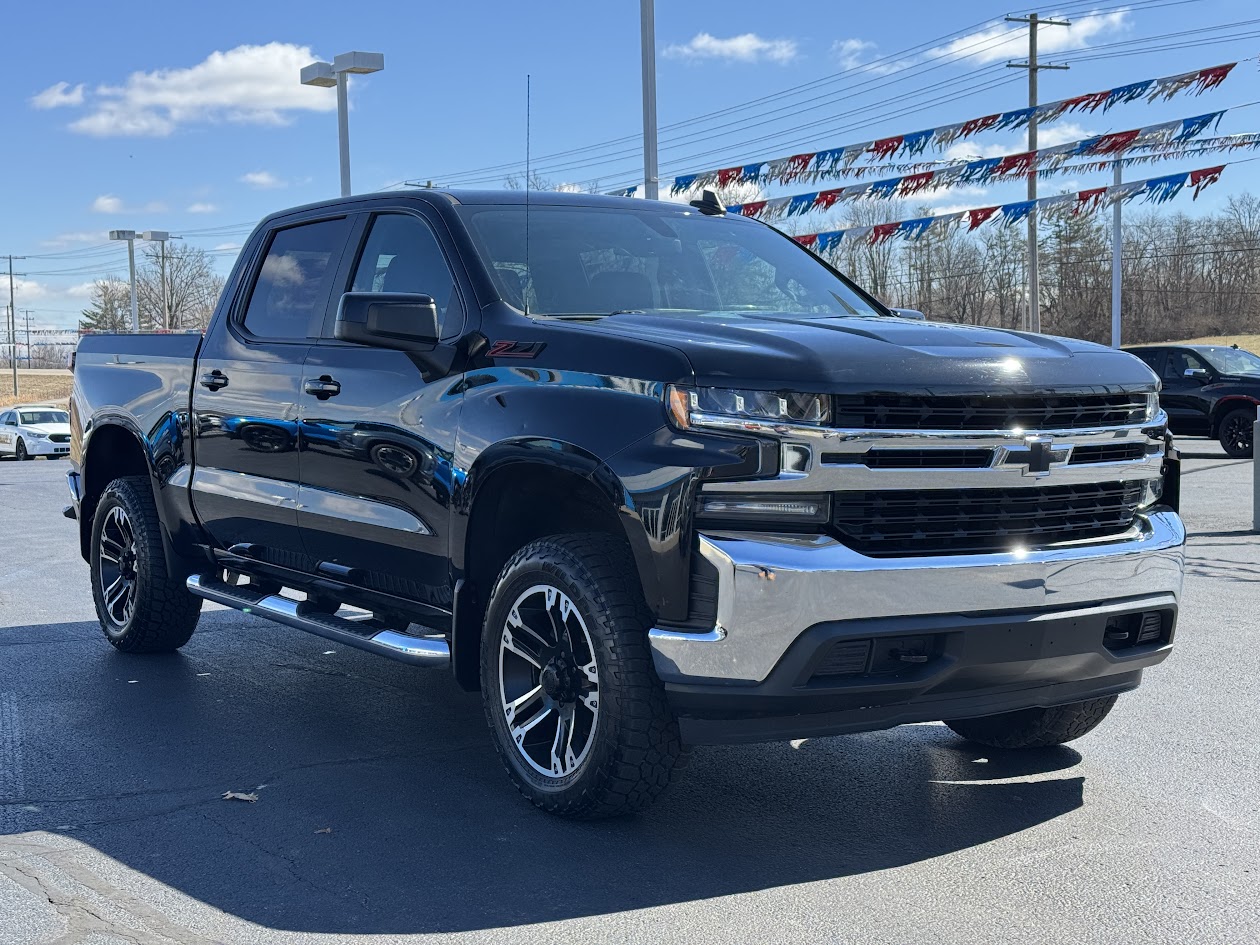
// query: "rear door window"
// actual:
[[290, 295]]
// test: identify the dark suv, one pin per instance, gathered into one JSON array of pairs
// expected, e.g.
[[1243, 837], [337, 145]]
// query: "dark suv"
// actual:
[[1208, 390]]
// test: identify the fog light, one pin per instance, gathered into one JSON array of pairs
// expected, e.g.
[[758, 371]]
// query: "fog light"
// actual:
[[785, 510]]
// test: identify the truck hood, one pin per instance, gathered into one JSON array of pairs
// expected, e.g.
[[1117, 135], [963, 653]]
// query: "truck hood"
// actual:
[[881, 354]]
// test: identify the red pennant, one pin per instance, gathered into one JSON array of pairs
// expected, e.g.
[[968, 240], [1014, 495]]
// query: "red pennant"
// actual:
[[1205, 176], [1087, 103], [1115, 143], [977, 217], [1016, 164], [882, 232], [913, 183], [977, 125], [728, 175], [1211, 78], [1087, 200], [807, 239], [826, 199], [796, 166], [885, 147], [752, 209]]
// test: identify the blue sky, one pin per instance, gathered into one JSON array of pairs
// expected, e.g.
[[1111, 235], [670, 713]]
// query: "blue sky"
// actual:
[[191, 119]]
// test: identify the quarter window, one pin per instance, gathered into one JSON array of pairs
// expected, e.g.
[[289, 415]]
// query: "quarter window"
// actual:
[[291, 292], [403, 255]]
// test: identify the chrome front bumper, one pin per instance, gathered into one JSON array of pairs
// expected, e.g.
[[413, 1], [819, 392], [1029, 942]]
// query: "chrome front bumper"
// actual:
[[773, 588]]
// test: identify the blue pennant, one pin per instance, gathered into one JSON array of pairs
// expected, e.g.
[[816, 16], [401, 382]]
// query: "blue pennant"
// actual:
[[978, 170], [1015, 119], [883, 189], [916, 142], [913, 229], [1127, 93], [1014, 212], [751, 174], [1160, 189], [800, 204], [683, 182], [1192, 127], [829, 241]]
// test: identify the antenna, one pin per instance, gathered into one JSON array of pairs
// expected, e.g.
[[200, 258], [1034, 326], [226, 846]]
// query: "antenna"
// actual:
[[529, 275]]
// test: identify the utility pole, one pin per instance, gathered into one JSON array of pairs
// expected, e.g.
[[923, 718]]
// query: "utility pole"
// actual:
[[647, 15], [27, 319], [1117, 249], [13, 327], [1033, 67]]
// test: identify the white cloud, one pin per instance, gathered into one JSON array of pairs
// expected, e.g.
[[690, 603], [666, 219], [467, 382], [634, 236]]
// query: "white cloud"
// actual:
[[747, 47], [1047, 136], [1010, 40], [247, 85], [81, 291], [58, 96], [263, 180], [202, 207], [69, 239], [109, 203]]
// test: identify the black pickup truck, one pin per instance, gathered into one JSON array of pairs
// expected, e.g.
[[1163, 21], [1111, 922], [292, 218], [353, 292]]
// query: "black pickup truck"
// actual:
[[645, 474]]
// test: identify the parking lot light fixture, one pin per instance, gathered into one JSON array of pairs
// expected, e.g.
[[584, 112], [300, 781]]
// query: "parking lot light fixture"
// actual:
[[130, 237], [334, 74]]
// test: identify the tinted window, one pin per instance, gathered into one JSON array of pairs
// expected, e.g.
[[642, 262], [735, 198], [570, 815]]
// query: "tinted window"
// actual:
[[595, 261], [1232, 360], [403, 255], [1150, 357], [1179, 362], [7, 419], [292, 288]]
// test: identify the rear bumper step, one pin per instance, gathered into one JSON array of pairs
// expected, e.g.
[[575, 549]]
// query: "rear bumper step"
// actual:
[[362, 635]]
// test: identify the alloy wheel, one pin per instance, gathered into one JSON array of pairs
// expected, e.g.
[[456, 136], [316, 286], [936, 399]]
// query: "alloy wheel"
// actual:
[[548, 681], [1238, 432], [116, 566]]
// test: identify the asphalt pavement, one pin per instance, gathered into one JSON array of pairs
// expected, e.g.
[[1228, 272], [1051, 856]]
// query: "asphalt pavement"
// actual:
[[382, 810]]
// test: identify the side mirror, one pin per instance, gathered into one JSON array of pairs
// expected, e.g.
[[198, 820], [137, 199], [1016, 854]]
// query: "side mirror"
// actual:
[[400, 320], [910, 313], [1198, 374]]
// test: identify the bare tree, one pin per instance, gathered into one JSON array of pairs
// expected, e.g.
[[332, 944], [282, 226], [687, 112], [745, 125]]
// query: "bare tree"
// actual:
[[192, 288]]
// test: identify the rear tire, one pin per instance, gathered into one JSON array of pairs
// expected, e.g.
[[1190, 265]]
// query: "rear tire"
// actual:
[[577, 712], [1236, 432], [1035, 728], [142, 609], [21, 453]]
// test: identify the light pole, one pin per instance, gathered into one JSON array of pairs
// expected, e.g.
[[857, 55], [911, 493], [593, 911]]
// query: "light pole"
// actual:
[[647, 40], [327, 75], [160, 237], [130, 237]]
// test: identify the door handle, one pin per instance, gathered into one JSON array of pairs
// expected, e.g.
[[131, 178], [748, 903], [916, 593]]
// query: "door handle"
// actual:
[[323, 387], [215, 380]]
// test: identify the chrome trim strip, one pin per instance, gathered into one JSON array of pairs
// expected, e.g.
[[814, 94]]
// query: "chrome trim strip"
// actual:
[[719, 422], [716, 635], [244, 487], [772, 588]]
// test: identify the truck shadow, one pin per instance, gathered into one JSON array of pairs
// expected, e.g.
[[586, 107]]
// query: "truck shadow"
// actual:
[[382, 808]]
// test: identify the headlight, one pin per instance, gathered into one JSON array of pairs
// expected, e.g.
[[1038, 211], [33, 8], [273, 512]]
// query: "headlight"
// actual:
[[36, 435], [1152, 407], [744, 409]]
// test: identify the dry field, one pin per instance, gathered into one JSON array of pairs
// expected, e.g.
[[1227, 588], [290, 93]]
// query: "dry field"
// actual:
[[35, 387], [1250, 342]]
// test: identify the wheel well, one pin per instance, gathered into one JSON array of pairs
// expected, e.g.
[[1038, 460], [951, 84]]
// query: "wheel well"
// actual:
[[518, 504], [1227, 406], [113, 452]]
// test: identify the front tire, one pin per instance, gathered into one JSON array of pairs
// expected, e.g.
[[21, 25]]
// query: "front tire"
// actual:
[[1035, 728], [577, 712], [142, 609], [21, 452], [1236, 432]]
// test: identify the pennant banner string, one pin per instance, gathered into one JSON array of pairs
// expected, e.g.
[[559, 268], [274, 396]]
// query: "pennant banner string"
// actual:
[[985, 170], [818, 165], [1152, 190]]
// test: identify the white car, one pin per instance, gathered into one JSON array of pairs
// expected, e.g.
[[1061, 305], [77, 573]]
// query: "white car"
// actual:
[[34, 430]]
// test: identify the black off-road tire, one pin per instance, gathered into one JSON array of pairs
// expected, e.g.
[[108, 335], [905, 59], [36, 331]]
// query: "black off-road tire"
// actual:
[[1236, 432], [164, 614], [1035, 728], [20, 452], [634, 744]]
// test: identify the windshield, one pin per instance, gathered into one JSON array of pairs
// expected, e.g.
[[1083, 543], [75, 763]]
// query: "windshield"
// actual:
[[1230, 360], [600, 261], [44, 416]]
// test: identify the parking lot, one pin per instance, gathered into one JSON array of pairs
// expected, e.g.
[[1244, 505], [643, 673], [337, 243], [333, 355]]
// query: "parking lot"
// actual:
[[382, 810]]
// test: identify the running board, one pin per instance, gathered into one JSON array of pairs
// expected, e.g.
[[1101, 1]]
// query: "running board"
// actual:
[[418, 651]]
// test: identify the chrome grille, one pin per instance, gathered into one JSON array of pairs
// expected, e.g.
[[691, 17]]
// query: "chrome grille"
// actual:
[[995, 412]]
